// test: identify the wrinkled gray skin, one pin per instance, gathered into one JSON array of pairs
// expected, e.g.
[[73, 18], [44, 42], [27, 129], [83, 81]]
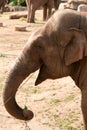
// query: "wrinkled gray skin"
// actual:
[[58, 49], [33, 5], [2, 5]]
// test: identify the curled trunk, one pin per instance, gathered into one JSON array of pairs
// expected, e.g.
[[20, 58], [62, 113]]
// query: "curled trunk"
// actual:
[[18, 73]]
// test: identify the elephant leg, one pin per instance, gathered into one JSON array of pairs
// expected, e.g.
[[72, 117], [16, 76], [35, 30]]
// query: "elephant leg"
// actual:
[[2, 8], [1, 11], [32, 16], [84, 106], [49, 12], [49, 7], [28, 16], [56, 4], [29, 10], [44, 12]]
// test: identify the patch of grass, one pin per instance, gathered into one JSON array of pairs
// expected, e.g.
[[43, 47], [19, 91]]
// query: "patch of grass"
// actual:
[[7, 55], [1, 85], [35, 90], [3, 55], [54, 101], [4, 14], [64, 123], [25, 107], [1, 82], [32, 90], [22, 19], [70, 97], [39, 21], [70, 128]]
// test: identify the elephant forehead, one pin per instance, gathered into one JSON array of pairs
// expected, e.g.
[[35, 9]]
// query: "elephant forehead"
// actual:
[[66, 19]]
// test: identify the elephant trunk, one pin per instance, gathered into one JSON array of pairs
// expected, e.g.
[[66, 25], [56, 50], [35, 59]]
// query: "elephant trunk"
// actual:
[[17, 74]]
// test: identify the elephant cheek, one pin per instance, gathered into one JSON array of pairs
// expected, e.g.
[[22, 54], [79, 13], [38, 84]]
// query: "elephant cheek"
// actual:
[[43, 75]]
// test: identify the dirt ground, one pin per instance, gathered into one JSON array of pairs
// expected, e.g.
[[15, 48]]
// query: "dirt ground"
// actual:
[[55, 103]]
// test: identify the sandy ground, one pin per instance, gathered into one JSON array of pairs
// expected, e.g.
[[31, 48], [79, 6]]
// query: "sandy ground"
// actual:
[[55, 103]]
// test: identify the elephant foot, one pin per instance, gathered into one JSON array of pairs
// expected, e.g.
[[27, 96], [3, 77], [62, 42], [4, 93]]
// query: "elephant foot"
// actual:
[[30, 21], [1, 12], [44, 19]]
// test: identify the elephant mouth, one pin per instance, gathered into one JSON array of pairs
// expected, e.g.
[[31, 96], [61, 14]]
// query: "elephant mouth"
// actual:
[[45, 73], [42, 76]]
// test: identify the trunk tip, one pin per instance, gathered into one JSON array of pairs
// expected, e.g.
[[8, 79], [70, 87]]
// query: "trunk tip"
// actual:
[[28, 114]]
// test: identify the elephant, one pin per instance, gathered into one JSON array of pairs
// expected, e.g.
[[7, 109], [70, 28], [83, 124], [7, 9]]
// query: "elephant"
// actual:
[[2, 5], [62, 6], [56, 4], [33, 5], [57, 49], [82, 8], [73, 4]]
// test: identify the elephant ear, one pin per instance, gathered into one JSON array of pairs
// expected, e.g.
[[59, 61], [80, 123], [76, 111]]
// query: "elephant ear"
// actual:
[[76, 47]]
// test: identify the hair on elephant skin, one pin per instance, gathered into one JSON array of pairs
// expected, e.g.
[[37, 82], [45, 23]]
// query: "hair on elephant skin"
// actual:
[[57, 49]]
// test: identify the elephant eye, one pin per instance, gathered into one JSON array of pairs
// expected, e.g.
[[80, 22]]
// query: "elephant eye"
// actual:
[[39, 47]]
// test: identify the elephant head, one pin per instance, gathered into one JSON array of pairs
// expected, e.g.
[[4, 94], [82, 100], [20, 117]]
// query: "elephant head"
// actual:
[[52, 50]]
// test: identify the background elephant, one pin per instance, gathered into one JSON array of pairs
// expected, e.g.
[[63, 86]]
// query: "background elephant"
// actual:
[[33, 5], [73, 4], [82, 8], [58, 49], [2, 5], [56, 4]]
